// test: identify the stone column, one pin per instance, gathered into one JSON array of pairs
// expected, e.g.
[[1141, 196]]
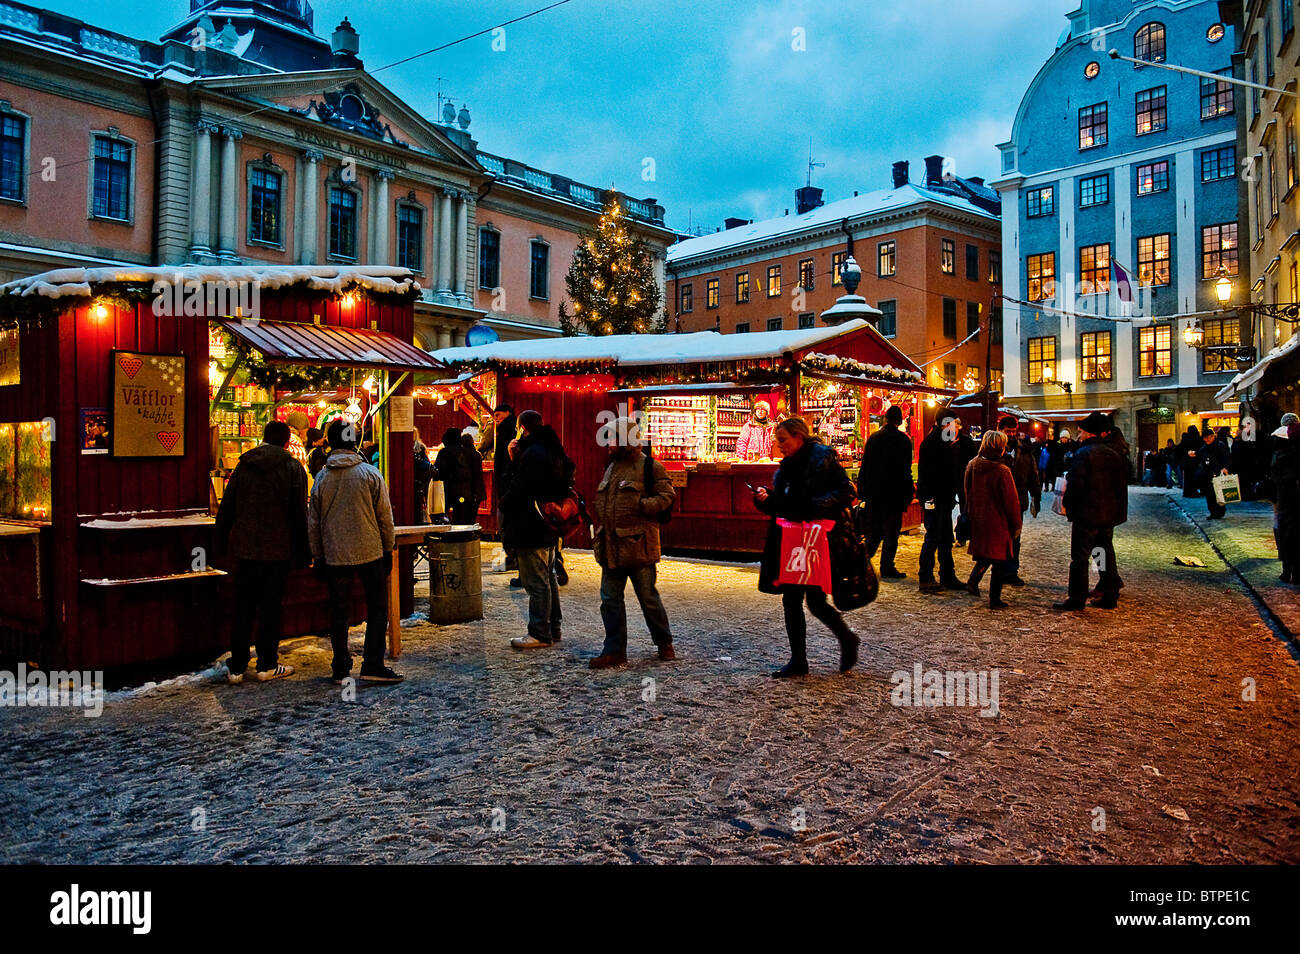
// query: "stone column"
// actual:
[[444, 242], [383, 220], [457, 339], [229, 226], [444, 337], [461, 244], [201, 193], [310, 203]]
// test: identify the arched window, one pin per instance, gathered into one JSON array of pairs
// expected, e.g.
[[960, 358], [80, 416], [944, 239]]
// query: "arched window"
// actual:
[[1149, 43]]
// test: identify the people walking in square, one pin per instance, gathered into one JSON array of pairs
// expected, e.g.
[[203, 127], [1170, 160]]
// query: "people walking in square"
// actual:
[[885, 486], [1020, 457], [1213, 460], [262, 525], [810, 484], [350, 522], [936, 488], [634, 490], [1096, 501], [993, 502], [540, 472]]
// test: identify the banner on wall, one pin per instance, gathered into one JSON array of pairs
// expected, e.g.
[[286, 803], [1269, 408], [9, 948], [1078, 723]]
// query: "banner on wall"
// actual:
[[148, 404], [8, 357]]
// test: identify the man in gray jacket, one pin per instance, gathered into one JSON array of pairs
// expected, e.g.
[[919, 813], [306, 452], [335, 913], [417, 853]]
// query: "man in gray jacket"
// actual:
[[350, 525]]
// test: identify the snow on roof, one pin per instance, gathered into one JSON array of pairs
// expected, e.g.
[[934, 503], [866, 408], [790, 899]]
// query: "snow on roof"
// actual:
[[636, 350], [80, 282], [882, 200], [1246, 378]]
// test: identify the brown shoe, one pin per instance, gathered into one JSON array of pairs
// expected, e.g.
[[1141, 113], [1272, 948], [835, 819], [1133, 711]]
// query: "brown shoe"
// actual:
[[666, 652], [608, 661]]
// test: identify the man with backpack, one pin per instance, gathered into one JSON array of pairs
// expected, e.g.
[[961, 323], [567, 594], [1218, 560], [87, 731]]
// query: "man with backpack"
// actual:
[[634, 498], [540, 473]]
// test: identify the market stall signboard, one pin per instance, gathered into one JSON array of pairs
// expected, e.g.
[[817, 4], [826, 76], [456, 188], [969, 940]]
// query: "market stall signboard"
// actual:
[[401, 413], [148, 405], [8, 357]]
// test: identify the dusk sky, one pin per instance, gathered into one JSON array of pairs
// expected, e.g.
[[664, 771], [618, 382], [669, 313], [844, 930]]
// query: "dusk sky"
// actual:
[[712, 90]]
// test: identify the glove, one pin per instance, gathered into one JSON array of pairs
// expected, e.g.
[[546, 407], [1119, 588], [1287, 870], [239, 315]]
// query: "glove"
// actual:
[[320, 570]]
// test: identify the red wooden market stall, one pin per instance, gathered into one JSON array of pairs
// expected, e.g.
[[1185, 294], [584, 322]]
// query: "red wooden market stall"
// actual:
[[126, 397], [698, 391]]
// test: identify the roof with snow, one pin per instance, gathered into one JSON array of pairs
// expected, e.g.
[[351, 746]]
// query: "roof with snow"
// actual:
[[82, 282], [833, 213], [701, 347], [1255, 374]]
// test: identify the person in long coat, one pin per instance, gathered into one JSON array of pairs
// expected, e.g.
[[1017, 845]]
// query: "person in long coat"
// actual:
[[810, 484], [1284, 473], [1022, 460], [885, 486], [1213, 460], [937, 483], [994, 509], [626, 546], [1186, 453]]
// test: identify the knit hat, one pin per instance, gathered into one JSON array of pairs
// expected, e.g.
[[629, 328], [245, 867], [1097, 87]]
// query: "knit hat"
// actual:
[[297, 420]]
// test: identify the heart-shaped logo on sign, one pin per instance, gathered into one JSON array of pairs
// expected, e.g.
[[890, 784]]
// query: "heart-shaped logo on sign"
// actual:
[[169, 439], [130, 364]]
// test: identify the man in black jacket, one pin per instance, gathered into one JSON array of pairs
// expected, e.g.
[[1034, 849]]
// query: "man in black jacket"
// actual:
[[1096, 501], [1020, 457], [1213, 459], [262, 525], [885, 486], [936, 488], [503, 433], [540, 472]]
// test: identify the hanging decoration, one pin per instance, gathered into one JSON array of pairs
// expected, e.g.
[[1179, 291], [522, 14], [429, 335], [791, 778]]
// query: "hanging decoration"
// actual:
[[835, 364]]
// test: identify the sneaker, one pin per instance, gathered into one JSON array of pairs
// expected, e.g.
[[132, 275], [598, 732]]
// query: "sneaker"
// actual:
[[380, 675], [528, 642], [234, 678], [666, 653], [279, 672], [608, 661]]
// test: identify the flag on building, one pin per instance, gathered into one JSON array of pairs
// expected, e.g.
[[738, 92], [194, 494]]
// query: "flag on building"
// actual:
[[1123, 286]]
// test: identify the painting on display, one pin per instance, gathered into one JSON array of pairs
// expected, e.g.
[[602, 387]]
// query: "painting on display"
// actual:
[[8, 357], [95, 436], [148, 417]]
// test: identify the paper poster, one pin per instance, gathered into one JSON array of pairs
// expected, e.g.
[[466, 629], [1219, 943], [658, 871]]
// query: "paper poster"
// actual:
[[401, 413], [94, 430], [8, 357], [148, 405]]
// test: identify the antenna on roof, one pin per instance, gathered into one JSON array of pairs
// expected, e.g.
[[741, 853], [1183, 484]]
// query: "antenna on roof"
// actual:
[[812, 165]]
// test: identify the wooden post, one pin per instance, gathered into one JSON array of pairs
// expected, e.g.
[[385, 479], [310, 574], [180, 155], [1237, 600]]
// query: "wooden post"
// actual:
[[394, 607]]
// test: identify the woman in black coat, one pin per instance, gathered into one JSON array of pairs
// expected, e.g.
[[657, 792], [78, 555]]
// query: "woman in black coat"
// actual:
[[809, 485], [1186, 453]]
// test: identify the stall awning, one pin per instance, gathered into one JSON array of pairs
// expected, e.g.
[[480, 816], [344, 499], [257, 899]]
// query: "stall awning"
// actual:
[[1283, 356], [286, 342]]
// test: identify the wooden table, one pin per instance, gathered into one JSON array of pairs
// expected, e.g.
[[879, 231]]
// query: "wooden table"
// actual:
[[406, 537]]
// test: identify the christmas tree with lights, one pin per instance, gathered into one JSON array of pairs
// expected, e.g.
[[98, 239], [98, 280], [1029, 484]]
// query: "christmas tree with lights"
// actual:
[[611, 283]]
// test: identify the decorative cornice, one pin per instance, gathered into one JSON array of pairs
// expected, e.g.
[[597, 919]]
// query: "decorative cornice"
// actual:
[[206, 126], [385, 173], [231, 132], [313, 155]]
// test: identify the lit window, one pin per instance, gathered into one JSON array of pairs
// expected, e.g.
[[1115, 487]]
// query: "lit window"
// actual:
[[1220, 333], [774, 281], [1153, 177], [1042, 355], [947, 256], [1218, 248], [1092, 126], [712, 293], [1155, 355], [886, 259], [1153, 260], [1094, 350], [1152, 115], [837, 262], [687, 294], [1094, 269], [1216, 97], [1041, 272], [807, 274], [1041, 202], [1149, 43], [742, 288]]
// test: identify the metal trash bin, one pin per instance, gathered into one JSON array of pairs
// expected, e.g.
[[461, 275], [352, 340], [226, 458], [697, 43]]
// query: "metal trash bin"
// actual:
[[455, 575]]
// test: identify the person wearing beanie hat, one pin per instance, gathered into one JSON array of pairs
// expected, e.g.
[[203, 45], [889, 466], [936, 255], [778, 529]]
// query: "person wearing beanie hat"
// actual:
[[297, 422], [756, 434], [1096, 501], [885, 487]]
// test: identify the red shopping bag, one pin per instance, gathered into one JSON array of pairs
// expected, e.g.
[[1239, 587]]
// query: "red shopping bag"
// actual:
[[805, 553]]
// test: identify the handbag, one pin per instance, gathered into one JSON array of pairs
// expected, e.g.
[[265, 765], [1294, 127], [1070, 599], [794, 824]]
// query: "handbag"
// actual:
[[565, 515], [854, 582], [805, 554], [962, 533], [1227, 488]]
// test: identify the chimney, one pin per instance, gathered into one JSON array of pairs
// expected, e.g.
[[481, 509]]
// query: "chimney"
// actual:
[[978, 180], [733, 223], [900, 174], [807, 199], [933, 171]]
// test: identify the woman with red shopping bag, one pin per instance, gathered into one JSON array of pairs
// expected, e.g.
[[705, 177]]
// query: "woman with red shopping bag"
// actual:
[[809, 498]]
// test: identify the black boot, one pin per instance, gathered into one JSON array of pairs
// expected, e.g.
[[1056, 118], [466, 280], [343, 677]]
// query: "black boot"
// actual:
[[795, 667]]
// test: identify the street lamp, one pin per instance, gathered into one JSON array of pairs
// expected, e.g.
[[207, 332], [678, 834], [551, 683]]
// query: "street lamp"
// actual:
[[1223, 287], [1049, 377], [1194, 334]]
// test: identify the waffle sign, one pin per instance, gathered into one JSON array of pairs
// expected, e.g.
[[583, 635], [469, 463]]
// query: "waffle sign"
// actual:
[[148, 405]]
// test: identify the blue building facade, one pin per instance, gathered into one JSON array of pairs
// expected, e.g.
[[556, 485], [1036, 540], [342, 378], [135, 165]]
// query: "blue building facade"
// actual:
[[1137, 165]]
